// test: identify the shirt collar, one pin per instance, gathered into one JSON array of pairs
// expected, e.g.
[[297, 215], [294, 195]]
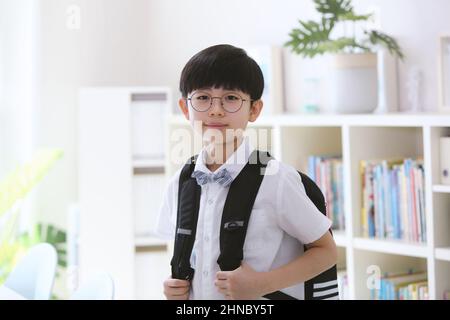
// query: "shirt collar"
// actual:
[[234, 164]]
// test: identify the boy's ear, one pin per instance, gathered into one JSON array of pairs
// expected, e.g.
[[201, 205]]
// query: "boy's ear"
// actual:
[[255, 110], [182, 103]]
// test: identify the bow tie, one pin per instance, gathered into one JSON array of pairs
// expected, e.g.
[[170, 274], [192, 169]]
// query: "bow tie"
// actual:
[[223, 177]]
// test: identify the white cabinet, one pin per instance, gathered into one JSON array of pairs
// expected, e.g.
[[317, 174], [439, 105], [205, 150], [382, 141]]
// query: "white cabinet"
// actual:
[[121, 180]]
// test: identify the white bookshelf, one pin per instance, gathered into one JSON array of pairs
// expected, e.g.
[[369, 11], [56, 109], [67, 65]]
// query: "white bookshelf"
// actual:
[[441, 188], [121, 182], [149, 163], [442, 254], [149, 241], [363, 137], [402, 248], [340, 238]]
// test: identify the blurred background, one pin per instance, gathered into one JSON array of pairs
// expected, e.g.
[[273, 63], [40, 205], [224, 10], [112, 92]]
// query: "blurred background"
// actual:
[[59, 58]]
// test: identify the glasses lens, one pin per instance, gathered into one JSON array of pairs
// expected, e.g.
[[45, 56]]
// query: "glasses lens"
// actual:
[[201, 101], [232, 102]]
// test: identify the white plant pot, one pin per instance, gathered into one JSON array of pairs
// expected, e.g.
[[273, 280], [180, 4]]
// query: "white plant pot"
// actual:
[[354, 83]]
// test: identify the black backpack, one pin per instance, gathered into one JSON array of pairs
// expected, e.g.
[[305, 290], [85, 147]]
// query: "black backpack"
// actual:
[[235, 217]]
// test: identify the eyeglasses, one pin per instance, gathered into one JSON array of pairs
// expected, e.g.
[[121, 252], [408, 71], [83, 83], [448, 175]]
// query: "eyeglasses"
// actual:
[[202, 101]]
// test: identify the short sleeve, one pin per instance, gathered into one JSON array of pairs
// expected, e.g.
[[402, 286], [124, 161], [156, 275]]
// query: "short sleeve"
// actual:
[[166, 220], [297, 215]]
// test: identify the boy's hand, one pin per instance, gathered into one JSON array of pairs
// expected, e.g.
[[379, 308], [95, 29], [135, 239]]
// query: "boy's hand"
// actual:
[[175, 289], [244, 283]]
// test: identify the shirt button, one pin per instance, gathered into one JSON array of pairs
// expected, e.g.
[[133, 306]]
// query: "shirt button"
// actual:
[[205, 273], [206, 238], [210, 201]]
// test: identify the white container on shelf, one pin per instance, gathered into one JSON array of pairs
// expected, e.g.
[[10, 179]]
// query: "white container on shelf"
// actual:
[[445, 160], [354, 84]]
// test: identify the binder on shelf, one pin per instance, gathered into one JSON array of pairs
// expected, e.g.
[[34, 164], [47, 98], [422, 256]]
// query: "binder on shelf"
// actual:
[[148, 112], [148, 193], [343, 286]]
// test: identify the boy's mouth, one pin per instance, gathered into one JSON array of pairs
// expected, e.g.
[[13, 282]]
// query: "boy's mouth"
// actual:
[[215, 125]]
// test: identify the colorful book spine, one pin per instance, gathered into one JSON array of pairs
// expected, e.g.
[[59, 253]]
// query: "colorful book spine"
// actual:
[[326, 171], [402, 286], [393, 199]]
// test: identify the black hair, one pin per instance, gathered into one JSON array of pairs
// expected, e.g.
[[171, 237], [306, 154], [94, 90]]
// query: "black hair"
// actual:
[[222, 66]]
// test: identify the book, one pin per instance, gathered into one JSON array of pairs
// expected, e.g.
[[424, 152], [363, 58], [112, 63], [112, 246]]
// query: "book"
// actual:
[[148, 192], [326, 172], [394, 285], [392, 199]]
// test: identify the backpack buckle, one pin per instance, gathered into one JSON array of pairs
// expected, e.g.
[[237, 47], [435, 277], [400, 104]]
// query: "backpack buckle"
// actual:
[[233, 225]]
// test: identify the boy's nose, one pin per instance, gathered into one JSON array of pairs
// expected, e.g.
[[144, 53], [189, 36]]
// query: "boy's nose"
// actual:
[[216, 107]]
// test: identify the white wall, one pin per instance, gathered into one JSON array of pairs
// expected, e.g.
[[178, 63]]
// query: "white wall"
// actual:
[[180, 28], [19, 96], [142, 42], [111, 48], [18, 72]]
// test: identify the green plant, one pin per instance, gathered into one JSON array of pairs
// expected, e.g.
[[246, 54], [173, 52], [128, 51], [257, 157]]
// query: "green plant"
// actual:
[[314, 38], [13, 190], [22, 180], [12, 251]]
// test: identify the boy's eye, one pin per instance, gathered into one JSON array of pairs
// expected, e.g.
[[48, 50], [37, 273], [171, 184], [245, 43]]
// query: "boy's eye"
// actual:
[[231, 97], [204, 97]]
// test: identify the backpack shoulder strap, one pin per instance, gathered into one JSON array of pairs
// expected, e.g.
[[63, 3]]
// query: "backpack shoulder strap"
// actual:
[[189, 193], [237, 210], [324, 285], [236, 215], [314, 193]]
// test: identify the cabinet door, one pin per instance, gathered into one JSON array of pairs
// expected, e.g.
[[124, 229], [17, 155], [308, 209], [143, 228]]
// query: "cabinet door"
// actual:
[[105, 188]]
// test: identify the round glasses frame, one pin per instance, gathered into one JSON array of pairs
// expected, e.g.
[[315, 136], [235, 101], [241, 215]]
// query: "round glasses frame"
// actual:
[[222, 104]]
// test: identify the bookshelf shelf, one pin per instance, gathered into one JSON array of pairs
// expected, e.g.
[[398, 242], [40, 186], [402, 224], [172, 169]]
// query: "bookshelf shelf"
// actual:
[[340, 238], [442, 253], [149, 164], [149, 241], [441, 188], [391, 247], [294, 137]]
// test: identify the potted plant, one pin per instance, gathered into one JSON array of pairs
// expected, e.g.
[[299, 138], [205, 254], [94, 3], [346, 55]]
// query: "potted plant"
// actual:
[[354, 69]]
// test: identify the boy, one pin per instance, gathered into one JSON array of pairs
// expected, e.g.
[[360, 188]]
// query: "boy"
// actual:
[[221, 90]]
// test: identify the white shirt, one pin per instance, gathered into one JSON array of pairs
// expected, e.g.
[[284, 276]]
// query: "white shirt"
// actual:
[[283, 218]]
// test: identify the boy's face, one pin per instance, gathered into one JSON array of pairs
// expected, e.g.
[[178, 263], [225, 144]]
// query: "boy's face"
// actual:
[[212, 113]]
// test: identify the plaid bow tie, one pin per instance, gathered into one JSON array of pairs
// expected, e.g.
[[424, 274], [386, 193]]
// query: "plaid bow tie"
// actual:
[[223, 177]]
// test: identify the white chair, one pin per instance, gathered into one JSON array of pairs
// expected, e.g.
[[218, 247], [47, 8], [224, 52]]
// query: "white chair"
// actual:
[[97, 287], [34, 275]]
